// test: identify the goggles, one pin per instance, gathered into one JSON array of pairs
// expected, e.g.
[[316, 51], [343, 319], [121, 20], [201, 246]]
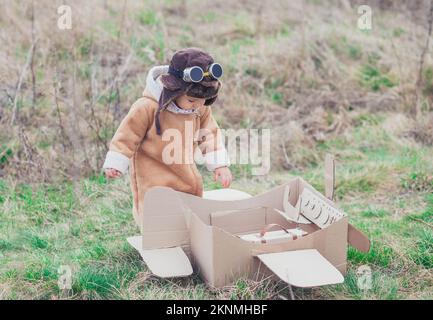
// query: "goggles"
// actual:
[[196, 74]]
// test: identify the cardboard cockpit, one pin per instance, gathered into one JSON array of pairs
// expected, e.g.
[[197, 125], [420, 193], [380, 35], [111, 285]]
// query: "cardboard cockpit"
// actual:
[[291, 231]]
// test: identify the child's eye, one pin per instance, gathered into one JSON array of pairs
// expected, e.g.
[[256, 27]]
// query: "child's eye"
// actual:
[[191, 101]]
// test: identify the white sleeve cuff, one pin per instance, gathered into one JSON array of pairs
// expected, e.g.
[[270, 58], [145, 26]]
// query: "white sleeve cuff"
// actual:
[[116, 160], [216, 159]]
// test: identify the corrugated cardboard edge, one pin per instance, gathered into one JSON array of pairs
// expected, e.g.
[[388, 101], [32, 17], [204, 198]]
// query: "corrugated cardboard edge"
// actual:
[[329, 176]]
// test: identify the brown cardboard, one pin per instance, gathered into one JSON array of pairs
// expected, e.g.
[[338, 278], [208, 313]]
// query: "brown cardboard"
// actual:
[[329, 176], [358, 240], [179, 228]]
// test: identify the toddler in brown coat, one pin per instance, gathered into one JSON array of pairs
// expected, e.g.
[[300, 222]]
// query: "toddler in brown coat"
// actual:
[[165, 129]]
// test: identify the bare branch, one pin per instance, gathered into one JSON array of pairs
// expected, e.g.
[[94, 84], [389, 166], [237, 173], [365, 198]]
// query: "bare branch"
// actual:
[[419, 82], [20, 81]]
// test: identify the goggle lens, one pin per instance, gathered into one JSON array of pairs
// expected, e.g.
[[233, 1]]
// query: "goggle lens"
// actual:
[[216, 70], [196, 74]]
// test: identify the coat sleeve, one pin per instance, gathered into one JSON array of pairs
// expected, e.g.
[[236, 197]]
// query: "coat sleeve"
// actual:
[[128, 136], [211, 142]]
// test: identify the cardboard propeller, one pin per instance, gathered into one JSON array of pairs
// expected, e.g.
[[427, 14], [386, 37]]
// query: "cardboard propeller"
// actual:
[[212, 233]]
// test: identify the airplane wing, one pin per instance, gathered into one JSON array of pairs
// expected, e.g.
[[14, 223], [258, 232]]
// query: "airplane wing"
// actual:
[[164, 262], [302, 268]]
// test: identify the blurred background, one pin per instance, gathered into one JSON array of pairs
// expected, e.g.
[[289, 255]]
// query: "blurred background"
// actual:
[[302, 68]]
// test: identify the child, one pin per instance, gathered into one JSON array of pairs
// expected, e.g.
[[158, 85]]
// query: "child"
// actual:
[[176, 99]]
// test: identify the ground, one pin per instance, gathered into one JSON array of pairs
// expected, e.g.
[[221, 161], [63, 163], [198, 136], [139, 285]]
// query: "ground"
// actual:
[[384, 184], [304, 69]]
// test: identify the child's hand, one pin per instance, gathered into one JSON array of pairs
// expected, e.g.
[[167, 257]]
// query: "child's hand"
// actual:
[[224, 176], [112, 173]]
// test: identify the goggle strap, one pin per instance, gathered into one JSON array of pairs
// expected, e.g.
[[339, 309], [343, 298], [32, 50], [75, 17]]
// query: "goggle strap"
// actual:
[[176, 73]]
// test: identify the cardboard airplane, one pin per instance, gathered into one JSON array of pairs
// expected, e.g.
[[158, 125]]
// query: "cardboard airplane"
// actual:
[[291, 231]]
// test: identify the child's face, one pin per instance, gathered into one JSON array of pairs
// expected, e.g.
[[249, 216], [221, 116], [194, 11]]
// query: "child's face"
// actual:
[[187, 102]]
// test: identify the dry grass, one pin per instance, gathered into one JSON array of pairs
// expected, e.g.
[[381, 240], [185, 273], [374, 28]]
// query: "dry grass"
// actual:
[[301, 68], [306, 64]]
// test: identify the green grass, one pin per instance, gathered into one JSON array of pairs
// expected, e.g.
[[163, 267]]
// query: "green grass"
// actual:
[[422, 254], [418, 181], [370, 76], [147, 18], [374, 213], [277, 70], [378, 255], [385, 189]]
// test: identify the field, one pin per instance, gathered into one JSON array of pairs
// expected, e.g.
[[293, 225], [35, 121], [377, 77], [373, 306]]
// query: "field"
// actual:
[[301, 68]]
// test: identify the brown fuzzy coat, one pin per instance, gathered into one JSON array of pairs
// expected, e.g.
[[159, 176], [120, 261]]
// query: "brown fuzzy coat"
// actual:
[[136, 143]]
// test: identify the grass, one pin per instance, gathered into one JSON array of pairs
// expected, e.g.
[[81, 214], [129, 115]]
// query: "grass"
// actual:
[[83, 225], [321, 85], [371, 76]]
